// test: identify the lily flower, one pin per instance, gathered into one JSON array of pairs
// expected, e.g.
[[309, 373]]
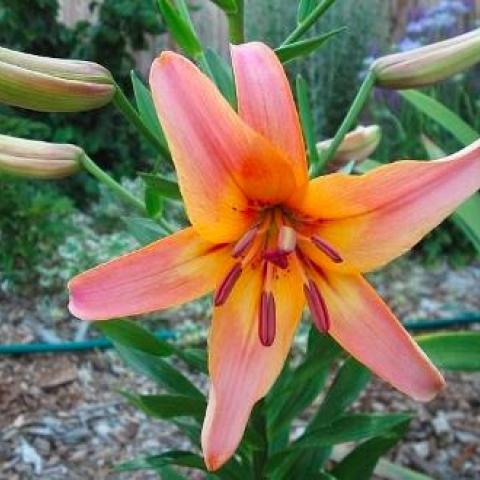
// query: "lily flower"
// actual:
[[267, 241]]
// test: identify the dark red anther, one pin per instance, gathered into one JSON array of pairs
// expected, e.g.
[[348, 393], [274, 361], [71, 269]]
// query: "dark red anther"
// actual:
[[267, 319], [317, 306], [280, 259], [327, 249], [245, 242], [225, 288]]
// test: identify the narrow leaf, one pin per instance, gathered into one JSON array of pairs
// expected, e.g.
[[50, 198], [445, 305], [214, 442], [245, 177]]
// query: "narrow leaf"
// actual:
[[391, 471], [153, 201], [172, 457], [158, 370], [361, 462], [169, 406], [166, 187], [222, 76], [305, 7], [302, 48], [180, 29], [350, 428], [349, 383], [453, 350], [132, 335], [146, 108], [442, 115], [228, 6]]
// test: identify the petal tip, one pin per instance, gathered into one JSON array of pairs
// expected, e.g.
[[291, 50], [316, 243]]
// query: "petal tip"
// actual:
[[436, 385]]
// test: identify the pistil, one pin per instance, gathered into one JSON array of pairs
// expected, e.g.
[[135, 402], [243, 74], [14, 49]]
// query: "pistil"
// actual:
[[267, 319]]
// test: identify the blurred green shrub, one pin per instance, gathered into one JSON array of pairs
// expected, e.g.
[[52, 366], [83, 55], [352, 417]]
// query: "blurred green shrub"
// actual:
[[32, 222], [36, 217]]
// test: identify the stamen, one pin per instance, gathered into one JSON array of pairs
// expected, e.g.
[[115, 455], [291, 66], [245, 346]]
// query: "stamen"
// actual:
[[245, 243], [225, 288], [327, 249], [277, 258], [287, 239], [317, 306], [267, 319]]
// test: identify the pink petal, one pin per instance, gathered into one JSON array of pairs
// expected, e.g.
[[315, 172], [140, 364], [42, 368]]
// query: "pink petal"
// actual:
[[242, 370], [364, 326], [166, 273], [266, 103]]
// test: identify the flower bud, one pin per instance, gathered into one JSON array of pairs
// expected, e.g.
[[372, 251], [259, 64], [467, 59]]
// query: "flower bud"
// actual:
[[429, 64], [35, 159], [53, 84], [357, 146]]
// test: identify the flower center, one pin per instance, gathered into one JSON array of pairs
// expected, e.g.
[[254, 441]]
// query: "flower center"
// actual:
[[275, 242]]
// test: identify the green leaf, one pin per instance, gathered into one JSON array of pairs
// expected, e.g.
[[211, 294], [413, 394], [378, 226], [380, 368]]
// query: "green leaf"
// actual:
[[228, 6], [309, 20], [442, 115], [453, 350], [146, 108], [168, 473], [305, 383], [153, 202], [169, 406], [173, 457], [158, 370], [361, 462], [302, 48], [222, 75], [305, 7], [307, 120], [350, 428], [349, 383], [166, 187], [180, 28], [131, 335], [391, 471], [144, 230]]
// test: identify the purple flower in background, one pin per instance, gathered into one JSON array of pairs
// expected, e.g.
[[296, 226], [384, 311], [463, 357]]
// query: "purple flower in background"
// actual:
[[408, 44]]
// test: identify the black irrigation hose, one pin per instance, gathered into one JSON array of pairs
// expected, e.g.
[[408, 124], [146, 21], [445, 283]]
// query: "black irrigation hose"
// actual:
[[462, 319]]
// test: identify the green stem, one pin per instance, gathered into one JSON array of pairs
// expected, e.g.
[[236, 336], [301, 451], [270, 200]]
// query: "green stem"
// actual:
[[348, 121], [236, 24], [308, 21], [112, 184], [129, 112]]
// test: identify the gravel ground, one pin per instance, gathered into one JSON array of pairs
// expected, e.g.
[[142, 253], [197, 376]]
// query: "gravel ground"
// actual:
[[61, 416]]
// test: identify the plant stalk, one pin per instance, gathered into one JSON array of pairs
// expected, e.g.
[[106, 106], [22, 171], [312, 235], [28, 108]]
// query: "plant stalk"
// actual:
[[111, 183], [309, 20], [236, 24], [122, 103], [355, 109]]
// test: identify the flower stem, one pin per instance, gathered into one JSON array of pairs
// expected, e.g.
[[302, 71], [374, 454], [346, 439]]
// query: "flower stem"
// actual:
[[121, 102], [348, 121], [111, 183], [236, 24], [309, 20]]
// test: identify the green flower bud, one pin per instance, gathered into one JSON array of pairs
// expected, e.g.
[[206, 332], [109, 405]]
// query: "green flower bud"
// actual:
[[35, 159], [357, 146], [53, 84], [429, 64]]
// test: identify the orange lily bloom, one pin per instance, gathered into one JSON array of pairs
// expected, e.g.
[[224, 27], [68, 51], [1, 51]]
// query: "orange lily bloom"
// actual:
[[266, 240]]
